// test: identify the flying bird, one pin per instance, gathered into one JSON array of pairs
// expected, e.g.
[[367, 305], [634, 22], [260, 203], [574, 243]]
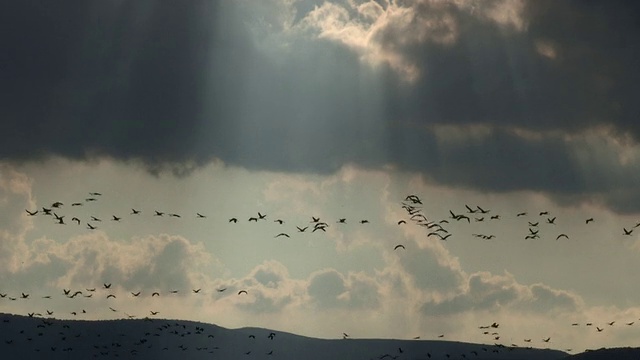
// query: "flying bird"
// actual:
[[627, 232], [115, 218], [135, 212], [483, 211], [438, 235], [233, 220], [398, 247], [158, 213], [588, 220], [400, 222], [200, 216], [242, 292], [282, 234], [562, 235], [31, 213]]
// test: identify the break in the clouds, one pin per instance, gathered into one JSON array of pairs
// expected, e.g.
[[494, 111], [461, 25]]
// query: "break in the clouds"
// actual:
[[308, 86]]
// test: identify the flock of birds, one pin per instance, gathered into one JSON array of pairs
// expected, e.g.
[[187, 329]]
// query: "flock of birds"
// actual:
[[413, 209]]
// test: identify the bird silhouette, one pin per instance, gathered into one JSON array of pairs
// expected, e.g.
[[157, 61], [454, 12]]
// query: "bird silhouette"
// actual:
[[588, 220], [200, 216], [135, 212], [438, 235], [242, 292], [301, 229], [398, 247], [627, 232], [195, 291], [483, 211], [233, 220], [282, 234], [562, 235], [31, 213], [400, 222]]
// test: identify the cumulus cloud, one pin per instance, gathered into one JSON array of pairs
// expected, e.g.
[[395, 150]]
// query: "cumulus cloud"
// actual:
[[487, 292]]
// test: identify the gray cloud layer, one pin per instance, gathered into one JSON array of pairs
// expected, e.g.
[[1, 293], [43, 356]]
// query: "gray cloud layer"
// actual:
[[185, 83]]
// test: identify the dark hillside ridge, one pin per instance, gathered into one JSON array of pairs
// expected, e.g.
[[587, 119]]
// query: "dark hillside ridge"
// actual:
[[35, 337]]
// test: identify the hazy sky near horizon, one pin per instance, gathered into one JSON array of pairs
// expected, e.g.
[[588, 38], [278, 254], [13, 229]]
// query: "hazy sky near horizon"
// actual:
[[332, 109]]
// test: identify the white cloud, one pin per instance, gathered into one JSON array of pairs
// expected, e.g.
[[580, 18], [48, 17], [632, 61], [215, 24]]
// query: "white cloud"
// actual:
[[384, 32]]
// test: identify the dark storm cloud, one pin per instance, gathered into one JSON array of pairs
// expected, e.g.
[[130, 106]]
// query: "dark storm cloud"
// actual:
[[182, 83], [496, 75], [125, 79]]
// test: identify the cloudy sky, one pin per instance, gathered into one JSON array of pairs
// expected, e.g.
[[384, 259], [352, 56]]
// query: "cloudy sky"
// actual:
[[333, 109]]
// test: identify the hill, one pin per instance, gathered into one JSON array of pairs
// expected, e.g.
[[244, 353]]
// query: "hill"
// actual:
[[32, 337], [605, 354]]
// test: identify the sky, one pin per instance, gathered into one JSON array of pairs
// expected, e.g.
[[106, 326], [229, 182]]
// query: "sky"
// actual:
[[341, 109]]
